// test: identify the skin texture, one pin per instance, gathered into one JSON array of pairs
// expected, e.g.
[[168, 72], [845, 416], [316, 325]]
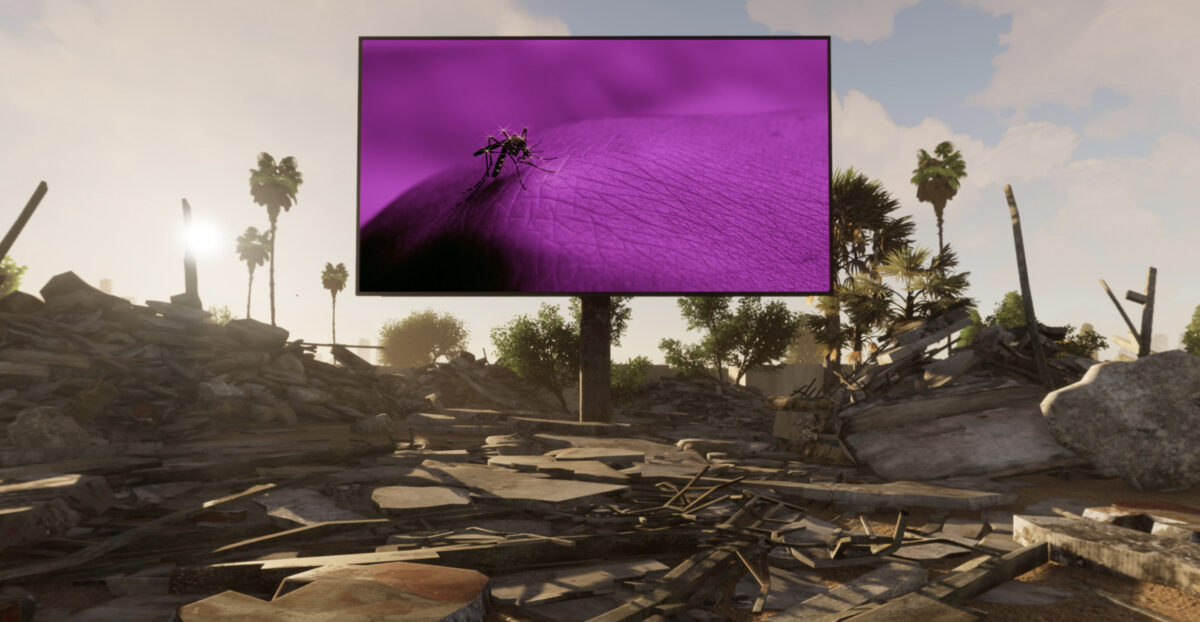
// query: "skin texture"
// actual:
[[641, 205]]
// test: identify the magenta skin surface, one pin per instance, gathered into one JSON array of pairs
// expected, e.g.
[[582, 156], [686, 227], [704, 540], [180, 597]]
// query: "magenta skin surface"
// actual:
[[680, 166]]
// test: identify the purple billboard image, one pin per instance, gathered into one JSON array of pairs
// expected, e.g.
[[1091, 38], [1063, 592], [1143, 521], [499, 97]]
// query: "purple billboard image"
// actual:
[[594, 165]]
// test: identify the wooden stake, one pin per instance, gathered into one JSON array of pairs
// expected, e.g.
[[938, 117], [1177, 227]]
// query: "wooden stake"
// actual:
[[1031, 323]]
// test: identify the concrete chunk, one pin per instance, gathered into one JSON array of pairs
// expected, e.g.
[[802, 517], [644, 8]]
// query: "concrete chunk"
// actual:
[[1143, 556]]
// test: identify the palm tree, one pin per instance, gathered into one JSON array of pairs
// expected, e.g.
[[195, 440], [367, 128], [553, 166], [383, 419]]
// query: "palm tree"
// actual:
[[252, 248], [274, 185], [864, 232], [937, 179], [334, 280]]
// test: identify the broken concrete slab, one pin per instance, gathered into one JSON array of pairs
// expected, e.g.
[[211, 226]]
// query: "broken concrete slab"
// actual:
[[404, 499], [531, 425], [428, 581], [985, 442], [546, 586], [613, 457], [930, 550], [945, 371], [523, 489], [581, 470], [1136, 419], [302, 506], [892, 495], [895, 410], [886, 582], [1128, 552]]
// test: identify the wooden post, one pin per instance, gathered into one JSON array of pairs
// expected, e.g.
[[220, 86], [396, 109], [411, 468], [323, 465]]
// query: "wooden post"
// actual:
[[595, 358], [23, 218], [1147, 314], [1031, 323]]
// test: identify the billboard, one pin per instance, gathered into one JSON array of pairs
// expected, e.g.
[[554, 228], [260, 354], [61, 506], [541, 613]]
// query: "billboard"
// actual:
[[594, 165]]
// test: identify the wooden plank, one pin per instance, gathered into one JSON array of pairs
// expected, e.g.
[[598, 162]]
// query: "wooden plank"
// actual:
[[910, 350], [92, 552]]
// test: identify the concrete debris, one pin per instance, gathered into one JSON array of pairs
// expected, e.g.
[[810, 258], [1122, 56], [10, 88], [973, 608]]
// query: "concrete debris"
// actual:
[[1135, 419], [214, 472], [1128, 552]]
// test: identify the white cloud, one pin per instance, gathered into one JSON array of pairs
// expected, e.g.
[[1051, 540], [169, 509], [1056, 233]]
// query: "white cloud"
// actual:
[[126, 107], [862, 20], [1062, 52]]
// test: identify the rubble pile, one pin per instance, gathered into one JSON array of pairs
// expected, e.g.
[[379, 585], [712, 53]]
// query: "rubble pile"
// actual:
[[151, 459], [103, 375], [908, 415]]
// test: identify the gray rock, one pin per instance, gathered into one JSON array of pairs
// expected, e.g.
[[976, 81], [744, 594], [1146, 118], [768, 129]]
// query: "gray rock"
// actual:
[[47, 428], [256, 334], [1135, 419]]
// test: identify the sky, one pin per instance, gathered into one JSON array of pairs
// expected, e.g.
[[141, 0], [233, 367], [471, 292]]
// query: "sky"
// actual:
[[125, 108]]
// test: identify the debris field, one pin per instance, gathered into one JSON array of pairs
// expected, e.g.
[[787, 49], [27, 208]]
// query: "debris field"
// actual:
[[157, 466]]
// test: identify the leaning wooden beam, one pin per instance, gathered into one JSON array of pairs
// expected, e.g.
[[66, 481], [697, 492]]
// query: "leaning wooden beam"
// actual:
[[15, 230], [1039, 356], [1128, 322], [92, 552]]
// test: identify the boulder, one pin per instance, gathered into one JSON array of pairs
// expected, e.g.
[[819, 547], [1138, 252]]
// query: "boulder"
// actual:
[[1135, 419], [257, 335], [48, 429]]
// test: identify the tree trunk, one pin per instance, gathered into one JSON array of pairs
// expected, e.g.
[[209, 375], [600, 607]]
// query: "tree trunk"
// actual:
[[333, 321], [271, 278], [249, 291]]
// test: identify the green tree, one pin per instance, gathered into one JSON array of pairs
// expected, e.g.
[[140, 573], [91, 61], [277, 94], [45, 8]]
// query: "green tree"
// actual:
[[803, 348], [543, 350], [333, 278], [937, 179], [252, 248], [967, 335], [1084, 343], [628, 378], [274, 186], [754, 336], [10, 273], [421, 338], [1009, 312], [1191, 335], [864, 232], [219, 315]]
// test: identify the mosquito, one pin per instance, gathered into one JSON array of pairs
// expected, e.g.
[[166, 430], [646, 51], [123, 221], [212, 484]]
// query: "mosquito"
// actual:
[[514, 146]]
